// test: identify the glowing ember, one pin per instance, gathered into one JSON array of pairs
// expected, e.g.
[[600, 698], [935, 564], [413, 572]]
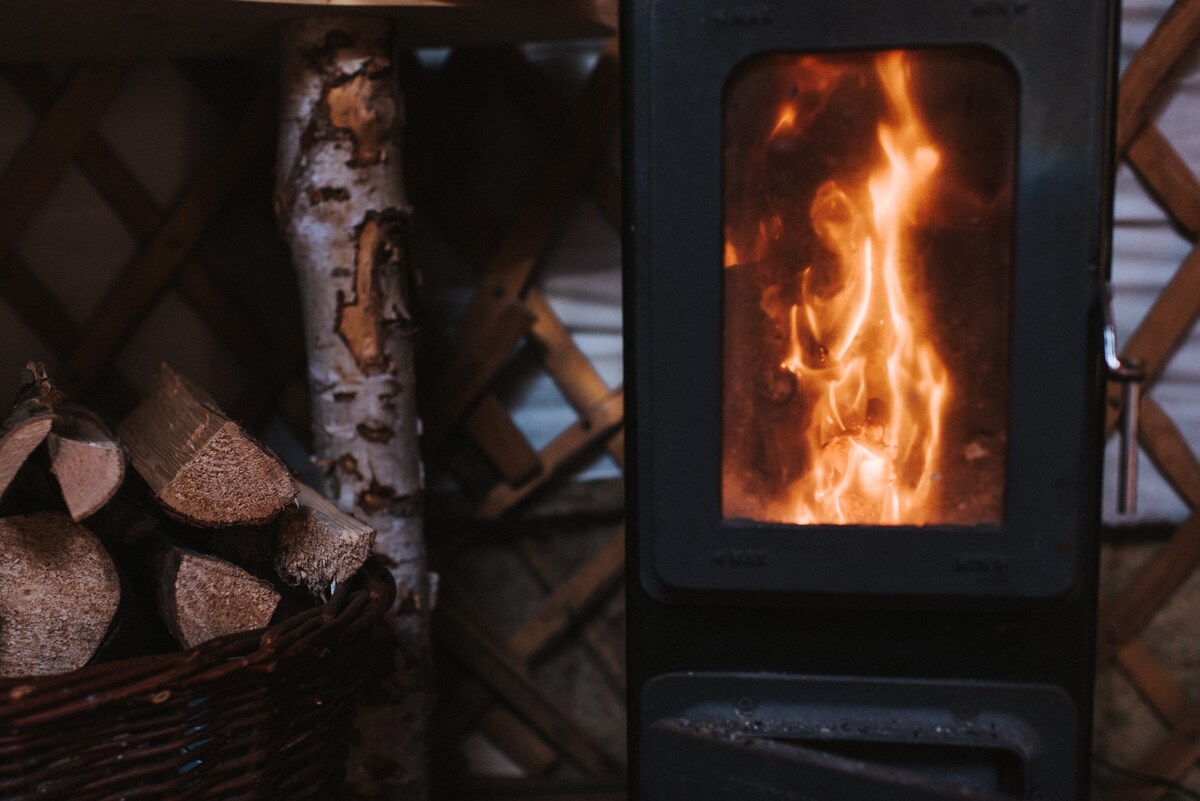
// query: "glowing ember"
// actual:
[[857, 341]]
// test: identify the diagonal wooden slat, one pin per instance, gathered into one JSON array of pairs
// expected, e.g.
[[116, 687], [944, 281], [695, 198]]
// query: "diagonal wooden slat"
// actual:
[[1167, 698], [1165, 445], [1168, 177], [571, 602], [37, 306], [139, 212], [570, 369], [601, 421], [595, 638], [1123, 618], [515, 739], [470, 706], [1171, 758], [153, 268], [46, 153], [1145, 81], [468, 374], [500, 672], [42, 313], [487, 424], [506, 276]]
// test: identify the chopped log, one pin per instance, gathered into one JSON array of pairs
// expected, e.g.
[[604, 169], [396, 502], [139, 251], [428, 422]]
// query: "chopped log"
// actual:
[[29, 422], [86, 460], [317, 543], [310, 545], [59, 592], [203, 468], [201, 597]]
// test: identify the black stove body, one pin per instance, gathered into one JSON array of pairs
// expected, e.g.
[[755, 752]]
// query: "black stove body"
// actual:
[[875, 584]]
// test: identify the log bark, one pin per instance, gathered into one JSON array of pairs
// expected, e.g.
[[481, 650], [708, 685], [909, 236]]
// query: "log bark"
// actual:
[[86, 460], [202, 467], [59, 591], [29, 422], [201, 596], [343, 211]]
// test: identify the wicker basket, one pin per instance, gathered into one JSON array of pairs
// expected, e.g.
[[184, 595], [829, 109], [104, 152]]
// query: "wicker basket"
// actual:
[[263, 715]]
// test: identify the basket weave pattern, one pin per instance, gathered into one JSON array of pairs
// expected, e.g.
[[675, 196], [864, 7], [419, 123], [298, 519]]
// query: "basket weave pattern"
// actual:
[[261, 715]]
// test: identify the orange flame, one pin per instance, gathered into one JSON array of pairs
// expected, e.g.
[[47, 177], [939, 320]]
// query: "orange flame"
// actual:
[[861, 350]]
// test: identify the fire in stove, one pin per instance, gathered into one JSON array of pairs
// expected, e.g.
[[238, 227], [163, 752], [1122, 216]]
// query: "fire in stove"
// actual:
[[852, 227]]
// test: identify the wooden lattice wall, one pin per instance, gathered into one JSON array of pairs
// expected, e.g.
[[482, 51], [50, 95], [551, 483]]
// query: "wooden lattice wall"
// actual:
[[1146, 86]]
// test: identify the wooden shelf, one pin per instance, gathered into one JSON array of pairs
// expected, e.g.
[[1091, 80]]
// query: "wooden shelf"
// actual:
[[72, 30]]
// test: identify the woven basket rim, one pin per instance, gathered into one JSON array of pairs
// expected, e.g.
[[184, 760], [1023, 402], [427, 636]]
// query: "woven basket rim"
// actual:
[[37, 700]]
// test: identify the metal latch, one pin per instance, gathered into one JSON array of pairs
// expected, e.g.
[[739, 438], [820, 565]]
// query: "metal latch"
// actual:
[[1130, 373]]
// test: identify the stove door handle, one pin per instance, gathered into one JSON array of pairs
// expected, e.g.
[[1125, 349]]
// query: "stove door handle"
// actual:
[[1130, 373]]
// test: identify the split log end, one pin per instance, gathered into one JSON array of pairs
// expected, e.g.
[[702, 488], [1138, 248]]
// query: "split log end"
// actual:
[[203, 468], [86, 460], [230, 481], [202, 597], [59, 592]]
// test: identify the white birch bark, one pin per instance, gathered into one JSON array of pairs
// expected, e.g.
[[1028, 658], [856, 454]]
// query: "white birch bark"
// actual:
[[342, 207]]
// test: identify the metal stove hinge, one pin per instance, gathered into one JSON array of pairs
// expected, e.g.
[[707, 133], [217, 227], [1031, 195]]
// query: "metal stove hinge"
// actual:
[[1130, 373]]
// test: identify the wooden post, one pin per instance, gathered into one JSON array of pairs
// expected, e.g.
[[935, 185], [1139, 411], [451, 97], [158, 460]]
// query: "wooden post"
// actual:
[[342, 207]]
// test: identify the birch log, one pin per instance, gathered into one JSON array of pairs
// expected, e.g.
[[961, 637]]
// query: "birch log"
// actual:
[[342, 207]]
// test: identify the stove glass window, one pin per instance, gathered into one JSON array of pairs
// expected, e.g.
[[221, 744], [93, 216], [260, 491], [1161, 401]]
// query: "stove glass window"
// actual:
[[868, 265]]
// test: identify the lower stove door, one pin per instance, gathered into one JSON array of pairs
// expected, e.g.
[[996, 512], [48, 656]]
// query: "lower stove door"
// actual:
[[716, 737]]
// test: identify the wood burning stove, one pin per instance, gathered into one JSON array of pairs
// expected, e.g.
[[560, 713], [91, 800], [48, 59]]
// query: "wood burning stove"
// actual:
[[865, 267]]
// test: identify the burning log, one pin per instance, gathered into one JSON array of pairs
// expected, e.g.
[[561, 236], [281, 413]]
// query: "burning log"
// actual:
[[201, 596], [59, 592], [202, 467], [343, 210]]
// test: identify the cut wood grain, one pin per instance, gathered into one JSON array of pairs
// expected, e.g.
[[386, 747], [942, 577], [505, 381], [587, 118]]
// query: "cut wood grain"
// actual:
[[59, 592], [86, 460], [201, 596], [202, 467], [312, 545], [318, 544]]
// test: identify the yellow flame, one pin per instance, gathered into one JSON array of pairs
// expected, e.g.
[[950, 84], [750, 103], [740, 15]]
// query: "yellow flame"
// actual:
[[880, 387]]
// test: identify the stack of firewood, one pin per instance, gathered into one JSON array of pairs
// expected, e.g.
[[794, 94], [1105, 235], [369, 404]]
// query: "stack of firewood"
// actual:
[[208, 535]]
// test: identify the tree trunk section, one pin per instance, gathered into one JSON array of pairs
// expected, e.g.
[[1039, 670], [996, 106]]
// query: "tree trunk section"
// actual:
[[342, 207]]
